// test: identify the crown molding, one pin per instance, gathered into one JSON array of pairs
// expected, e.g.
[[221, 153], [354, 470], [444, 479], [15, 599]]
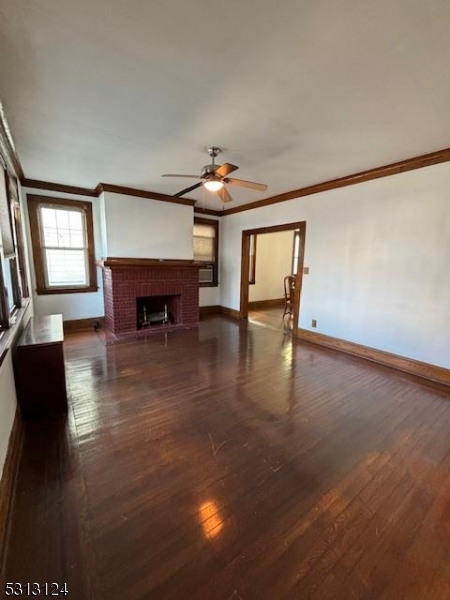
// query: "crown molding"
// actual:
[[410, 164], [103, 187], [49, 186], [7, 148], [128, 191], [207, 211]]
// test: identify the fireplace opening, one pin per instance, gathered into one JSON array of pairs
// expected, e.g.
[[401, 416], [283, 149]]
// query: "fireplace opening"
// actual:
[[157, 311]]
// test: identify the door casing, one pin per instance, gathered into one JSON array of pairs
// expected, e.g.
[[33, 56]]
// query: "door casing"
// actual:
[[245, 266]]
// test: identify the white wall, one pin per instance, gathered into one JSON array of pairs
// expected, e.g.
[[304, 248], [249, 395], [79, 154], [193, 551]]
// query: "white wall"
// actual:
[[141, 228], [378, 254], [71, 306], [209, 296], [273, 263], [129, 227], [8, 398], [102, 225]]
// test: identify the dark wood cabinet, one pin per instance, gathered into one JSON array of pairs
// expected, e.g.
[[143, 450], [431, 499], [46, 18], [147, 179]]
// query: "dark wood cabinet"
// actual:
[[39, 368]]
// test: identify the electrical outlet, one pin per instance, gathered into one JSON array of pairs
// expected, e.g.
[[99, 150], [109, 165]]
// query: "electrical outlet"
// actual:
[[314, 323], [305, 270]]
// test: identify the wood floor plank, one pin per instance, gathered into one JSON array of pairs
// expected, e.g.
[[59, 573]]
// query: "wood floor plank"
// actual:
[[235, 462]]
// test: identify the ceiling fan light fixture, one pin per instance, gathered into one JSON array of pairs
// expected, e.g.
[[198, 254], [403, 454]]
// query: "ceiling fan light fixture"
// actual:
[[213, 185], [213, 177]]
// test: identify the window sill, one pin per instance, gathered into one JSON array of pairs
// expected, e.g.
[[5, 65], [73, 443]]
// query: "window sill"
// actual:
[[208, 285], [7, 336], [71, 290]]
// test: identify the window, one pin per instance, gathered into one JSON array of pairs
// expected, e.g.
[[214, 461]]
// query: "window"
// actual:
[[4, 308], [10, 289], [62, 236], [295, 252], [252, 263], [19, 269], [9, 265], [6, 232], [206, 250]]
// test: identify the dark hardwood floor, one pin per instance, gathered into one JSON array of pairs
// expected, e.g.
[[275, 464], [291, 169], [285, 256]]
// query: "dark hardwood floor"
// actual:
[[230, 462], [272, 318]]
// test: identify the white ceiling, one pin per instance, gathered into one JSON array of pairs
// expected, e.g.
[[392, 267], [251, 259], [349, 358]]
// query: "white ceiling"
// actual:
[[297, 91]]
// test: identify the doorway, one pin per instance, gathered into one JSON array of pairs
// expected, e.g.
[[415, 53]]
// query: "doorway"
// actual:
[[295, 269]]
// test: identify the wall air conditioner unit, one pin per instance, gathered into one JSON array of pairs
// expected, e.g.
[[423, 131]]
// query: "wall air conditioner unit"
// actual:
[[206, 274]]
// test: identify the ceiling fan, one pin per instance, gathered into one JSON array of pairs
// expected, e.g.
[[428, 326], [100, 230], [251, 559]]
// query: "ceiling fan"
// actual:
[[214, 177]]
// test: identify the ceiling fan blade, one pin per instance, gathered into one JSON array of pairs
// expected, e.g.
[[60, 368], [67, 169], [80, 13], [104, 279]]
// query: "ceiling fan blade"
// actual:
[[262, 187], [225, 169], [225, 195], [177, 175], [189, 189]]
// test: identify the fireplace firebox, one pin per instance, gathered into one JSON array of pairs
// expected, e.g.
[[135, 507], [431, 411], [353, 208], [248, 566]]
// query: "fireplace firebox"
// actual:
[[157, 311]]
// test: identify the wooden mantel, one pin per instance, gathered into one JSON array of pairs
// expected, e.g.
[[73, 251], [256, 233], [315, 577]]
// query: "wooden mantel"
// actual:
[[116, 262]]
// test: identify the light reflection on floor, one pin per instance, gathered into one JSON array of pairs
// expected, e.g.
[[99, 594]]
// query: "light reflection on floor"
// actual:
[[210, 519]]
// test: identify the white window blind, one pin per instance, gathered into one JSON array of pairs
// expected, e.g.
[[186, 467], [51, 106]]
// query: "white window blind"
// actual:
[[65, 248], [204, 243]]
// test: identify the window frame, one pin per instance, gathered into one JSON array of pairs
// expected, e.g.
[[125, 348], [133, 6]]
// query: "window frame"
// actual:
[[12, 262], [6, 227], [14, 275], [215, 224], [4, 308], [34, 204], [20, 277]]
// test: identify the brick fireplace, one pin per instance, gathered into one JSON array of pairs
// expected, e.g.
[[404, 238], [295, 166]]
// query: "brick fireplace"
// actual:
[[133, 288]]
